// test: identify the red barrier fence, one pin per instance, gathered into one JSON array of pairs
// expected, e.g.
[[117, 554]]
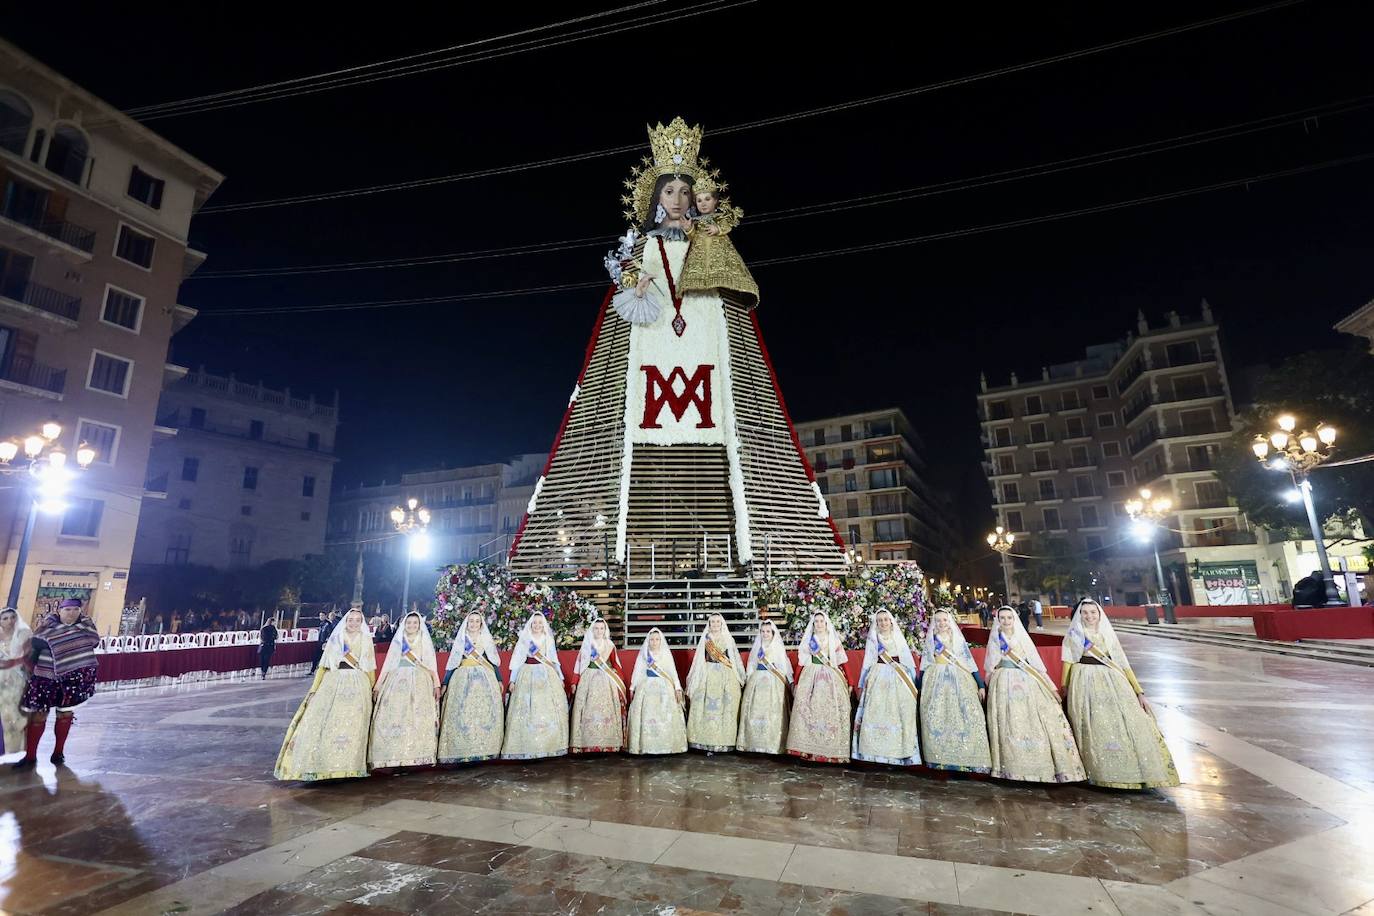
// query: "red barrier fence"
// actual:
[[1289, 625], [133, 666]]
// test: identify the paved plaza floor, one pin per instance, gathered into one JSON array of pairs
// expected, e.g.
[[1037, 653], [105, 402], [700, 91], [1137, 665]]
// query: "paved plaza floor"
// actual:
[[168, 805]]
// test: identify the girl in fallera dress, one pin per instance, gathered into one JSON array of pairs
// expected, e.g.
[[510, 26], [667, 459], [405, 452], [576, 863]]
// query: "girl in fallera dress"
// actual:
[[473, 716], [763, 710], [714, 684], [598, 713], [405, 721], [1112, 721], [819, 726], [885, 729], [327, 738], [537, 711], [1031, 740], [656, 724], [954, 731], [15, 638]]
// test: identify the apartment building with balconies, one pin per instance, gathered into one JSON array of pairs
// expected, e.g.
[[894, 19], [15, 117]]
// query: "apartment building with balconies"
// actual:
[[871, 468], [475, 511], [244, 479], [95, 211], [1066, 451]]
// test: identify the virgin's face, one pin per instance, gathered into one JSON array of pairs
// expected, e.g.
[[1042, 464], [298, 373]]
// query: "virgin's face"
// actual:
[[676, 197], [474, 624], [68, 615], [1092, 615], [1006, 621], [819, 624], [353, 622], [412, 626]]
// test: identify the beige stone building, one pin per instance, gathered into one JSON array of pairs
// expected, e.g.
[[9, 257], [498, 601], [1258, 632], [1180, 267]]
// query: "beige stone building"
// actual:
[[1067, 450], [475, 512], [246, 478], [94, 215], [871, 469], [1360, 323]]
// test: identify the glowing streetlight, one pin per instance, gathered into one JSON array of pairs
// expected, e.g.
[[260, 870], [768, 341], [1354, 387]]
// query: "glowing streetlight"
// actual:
[[1001, 541], [411, 522], [49, 474], [1301, 455], [1148, 512]]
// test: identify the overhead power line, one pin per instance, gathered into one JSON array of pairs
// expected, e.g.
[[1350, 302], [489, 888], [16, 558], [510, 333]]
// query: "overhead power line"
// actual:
[[871, 200], [410, 65], [750, 125], [826, 253]]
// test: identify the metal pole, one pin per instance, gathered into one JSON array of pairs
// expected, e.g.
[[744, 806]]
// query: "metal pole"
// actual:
[[1006, 580], [405, 587], [1165, 600], [1333, 597], [23, 559]]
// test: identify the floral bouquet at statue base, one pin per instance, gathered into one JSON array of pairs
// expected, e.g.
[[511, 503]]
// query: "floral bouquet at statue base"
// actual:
[[505, 603], [850, 602]]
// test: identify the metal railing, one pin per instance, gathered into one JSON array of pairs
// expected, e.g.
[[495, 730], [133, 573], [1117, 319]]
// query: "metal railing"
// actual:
[[14, 208], [709, 553], [34, 374], [680, 608], [43, 298]]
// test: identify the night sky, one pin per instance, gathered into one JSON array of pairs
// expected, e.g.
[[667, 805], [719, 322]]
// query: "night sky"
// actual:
[[458, 382]]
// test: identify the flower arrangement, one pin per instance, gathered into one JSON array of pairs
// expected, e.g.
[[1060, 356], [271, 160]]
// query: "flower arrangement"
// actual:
[[850, 602], [506, 603]]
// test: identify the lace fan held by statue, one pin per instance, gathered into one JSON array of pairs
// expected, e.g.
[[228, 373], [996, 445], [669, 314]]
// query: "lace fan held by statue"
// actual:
[[641, 298]]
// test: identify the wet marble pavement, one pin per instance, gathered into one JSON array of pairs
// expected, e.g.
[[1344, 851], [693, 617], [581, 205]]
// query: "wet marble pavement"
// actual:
[[168, 806]]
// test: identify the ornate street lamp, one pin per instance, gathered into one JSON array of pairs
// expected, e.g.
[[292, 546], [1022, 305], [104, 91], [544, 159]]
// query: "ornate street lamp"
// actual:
[[1001, 541], [49, 476], [1300, 455], [1148, 513], [411, 522]]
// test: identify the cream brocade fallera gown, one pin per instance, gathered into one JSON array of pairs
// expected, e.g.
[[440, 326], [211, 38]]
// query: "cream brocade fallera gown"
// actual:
[[819, 728], [1121, 745], [954, 730], [14, 722], [885, 729], [1031, 740], [763, 714], [713, 711], [537, 715], [598, 714], [405, 723], [474, 719], [327, 738], [656, 725]]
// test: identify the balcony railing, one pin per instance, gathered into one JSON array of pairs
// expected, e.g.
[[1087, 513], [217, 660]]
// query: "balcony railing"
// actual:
[[42, 298], [1222, 537], [157, 484], [78, 237], [1203, 356], [34, 375]]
